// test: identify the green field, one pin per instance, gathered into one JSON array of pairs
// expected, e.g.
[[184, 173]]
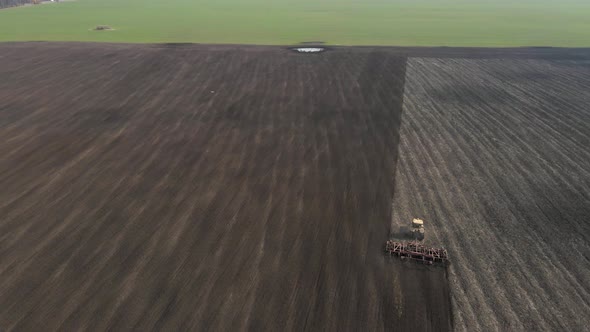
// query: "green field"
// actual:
[[342, 22]]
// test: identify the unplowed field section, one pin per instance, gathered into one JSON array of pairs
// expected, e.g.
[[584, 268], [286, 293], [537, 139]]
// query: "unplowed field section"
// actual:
[[495, 155], [176, 188]]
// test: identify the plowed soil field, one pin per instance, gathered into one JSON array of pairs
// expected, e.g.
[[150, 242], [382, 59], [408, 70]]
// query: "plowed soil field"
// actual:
[[170, 187], [195, 187]]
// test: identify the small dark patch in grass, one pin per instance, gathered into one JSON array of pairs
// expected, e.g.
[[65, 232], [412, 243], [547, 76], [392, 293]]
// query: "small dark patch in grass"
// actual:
[[102, 28]]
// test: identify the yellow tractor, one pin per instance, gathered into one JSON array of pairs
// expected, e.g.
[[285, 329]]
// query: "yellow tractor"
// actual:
[[418, 229]]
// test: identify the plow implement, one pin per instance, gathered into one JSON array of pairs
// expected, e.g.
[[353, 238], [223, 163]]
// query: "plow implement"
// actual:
[[417, 252]]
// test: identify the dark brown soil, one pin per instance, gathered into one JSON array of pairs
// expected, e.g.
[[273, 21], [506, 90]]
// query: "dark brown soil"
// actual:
[[203, 188], [220, 187]]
